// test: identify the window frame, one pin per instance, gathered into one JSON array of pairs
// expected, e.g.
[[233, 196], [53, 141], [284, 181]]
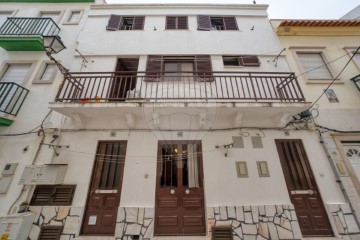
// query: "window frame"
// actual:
[[51, 200], [6, 64], [41, 71], [205, 23], [12, 13], [349, 50], [69, 14], [241, 62], [314, 50]]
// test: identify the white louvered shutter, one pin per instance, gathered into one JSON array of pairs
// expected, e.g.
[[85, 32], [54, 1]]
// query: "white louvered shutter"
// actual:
[[74, 17], [48, 72], [315, 63]]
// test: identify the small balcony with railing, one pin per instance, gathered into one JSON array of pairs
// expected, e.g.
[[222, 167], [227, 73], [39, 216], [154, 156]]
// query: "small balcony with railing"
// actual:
[[256, 94], [26, 34], [12, 97]]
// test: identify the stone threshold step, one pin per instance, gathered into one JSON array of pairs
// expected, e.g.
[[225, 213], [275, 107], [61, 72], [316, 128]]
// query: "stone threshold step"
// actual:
[[181, 238], [94, 238]]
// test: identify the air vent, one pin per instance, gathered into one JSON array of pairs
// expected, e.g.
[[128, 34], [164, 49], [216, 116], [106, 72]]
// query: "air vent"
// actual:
[[222, 233], [50, 233]]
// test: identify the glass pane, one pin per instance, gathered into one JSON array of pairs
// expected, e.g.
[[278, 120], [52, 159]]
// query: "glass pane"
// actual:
[[74, 16], [48, 72], [314, 65], [191, 169], [169, 156]]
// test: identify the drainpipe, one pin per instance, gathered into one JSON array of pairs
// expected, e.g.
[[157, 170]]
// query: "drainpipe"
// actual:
[[338, 180], [35, 157]]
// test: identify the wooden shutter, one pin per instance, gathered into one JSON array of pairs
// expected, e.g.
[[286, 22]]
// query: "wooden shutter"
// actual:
[[204, 23], [170, 22], [114, 23], [154, 68], [222, 233], [50, 233], [138, 23], [53, 195], [203, 68], [230, 23], [182, 22], [248, 60]]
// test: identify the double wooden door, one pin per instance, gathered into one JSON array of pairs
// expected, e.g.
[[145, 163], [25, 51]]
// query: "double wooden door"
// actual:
[[179, 207], [105, 189], [303, 191]]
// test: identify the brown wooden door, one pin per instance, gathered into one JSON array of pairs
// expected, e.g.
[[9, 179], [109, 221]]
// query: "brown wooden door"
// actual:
[[303, 191], [105, 189], [179, 208]]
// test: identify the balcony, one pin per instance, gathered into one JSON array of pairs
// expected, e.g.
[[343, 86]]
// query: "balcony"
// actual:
[[239, 95], [26, 34], [12, 97]]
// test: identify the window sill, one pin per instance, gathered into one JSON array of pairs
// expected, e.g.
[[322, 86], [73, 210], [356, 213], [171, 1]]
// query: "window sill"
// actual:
[[42, 81], [231, 67], [70, 23], [324, 81]]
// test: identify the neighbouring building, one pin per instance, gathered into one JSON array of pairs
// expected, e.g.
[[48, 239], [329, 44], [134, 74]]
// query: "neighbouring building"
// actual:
[[325, 56], [173, 120], [353, 14]]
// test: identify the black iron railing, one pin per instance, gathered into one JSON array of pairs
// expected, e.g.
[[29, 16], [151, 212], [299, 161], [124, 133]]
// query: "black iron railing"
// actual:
[[180, 86], [14, 26], [12, 97], [356, 80]]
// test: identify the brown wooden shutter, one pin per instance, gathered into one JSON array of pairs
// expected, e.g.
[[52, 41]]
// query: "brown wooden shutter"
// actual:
[[114, 22], [204, 23], [222, 233], [249, 60], [182, 22], [170, 22], [230, 23], [53, 195], [154, 68], [138, 23], [203, 68], [50, 233]]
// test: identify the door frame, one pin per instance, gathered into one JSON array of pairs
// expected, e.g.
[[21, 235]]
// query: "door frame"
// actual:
[[312, 177], [91, 182], [201, 178]]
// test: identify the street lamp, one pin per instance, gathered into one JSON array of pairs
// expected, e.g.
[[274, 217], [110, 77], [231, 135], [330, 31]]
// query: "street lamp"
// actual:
[[53, 44]]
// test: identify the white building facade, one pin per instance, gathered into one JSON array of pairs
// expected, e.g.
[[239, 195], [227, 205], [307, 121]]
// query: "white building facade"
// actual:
[[174, 120]]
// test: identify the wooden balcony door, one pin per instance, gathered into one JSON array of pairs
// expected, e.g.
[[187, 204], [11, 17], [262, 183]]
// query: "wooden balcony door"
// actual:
[[124, 81], [303, 191], [105, 189], [179, 208]]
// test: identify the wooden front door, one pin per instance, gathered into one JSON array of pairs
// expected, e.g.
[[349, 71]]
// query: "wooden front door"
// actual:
[[179, 208], [105, 189], [303, 191]]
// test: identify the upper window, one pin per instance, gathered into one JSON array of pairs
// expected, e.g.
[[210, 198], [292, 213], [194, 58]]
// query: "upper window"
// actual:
[[46, 73], [16, 73], [4, 16], [117, 22], [208, 23], [243, 60], [74, 17], [176, 22], [357, 59], [179, 68], [314, 65], [55, 16]]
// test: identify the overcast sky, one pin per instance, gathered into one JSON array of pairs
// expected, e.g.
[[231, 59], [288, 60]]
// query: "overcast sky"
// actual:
[[291, 9]]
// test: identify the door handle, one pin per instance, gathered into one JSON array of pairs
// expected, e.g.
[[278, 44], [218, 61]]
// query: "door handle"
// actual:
[[187, 191], [172, 191]]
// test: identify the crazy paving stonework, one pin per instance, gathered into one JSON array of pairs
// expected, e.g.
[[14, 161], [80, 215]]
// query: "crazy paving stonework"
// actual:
[[134, 222], [256, 222], [66, 216], [344, 220]]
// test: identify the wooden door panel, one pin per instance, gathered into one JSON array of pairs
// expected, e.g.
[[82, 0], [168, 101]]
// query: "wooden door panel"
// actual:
[[104, 193], [302, 188], [179, 206]]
